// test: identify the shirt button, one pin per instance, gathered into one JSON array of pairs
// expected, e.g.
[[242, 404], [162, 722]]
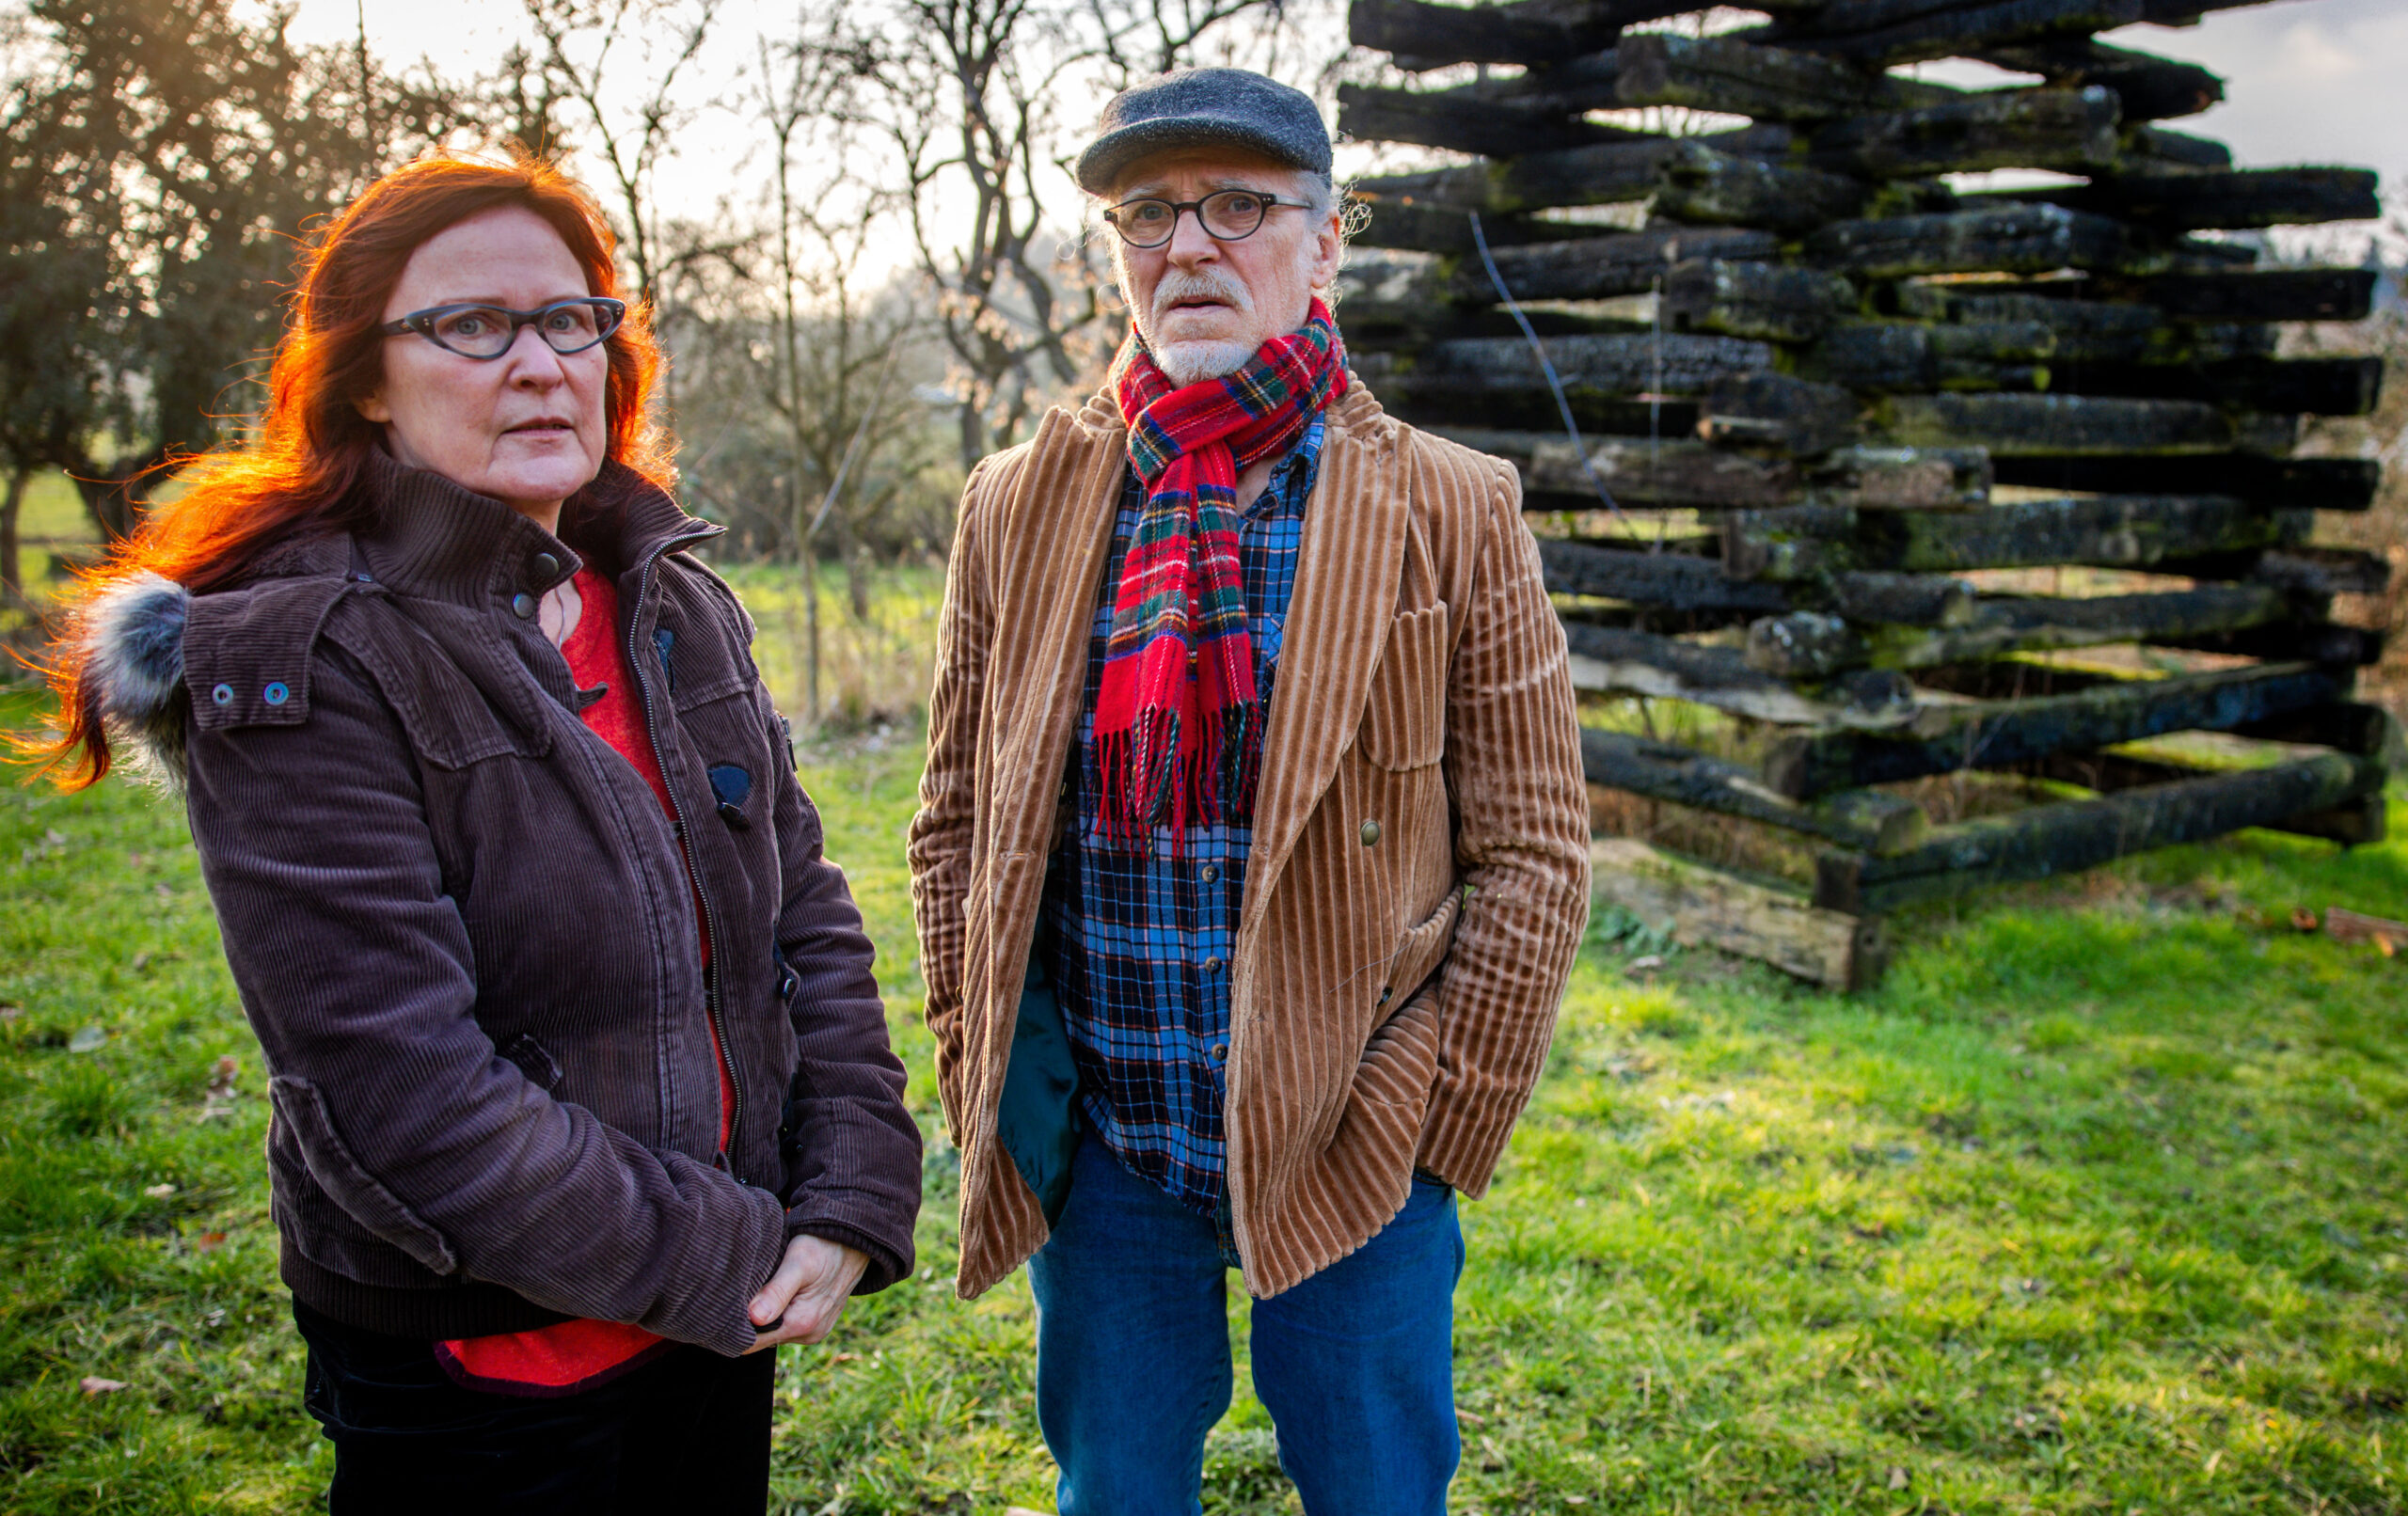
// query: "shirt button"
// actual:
[[1220, 1052], [1209, 873], [1370, 834], [522, 605], [1211, 966], [544, 568]]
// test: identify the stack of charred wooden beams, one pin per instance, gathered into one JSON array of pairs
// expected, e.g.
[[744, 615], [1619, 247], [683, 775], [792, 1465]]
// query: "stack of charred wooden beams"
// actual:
[[1848, 386]]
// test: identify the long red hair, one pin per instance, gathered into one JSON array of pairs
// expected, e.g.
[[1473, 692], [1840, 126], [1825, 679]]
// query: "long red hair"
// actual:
[[298, 473]]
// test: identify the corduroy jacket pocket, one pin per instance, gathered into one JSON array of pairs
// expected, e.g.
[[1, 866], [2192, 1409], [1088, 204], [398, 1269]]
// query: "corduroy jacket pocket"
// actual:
[[339, 1174], [1405, 718]]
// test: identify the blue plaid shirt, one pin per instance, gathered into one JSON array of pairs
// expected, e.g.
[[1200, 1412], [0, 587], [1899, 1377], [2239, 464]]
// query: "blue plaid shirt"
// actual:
[[1138, 947]]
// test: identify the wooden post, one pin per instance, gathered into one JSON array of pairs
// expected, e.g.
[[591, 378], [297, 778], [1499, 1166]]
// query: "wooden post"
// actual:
[[2079, 834], [2110, 531], [1709, 907], [1629, 662], [2072, 130], [1987, 734], [1810, 645], [1867, 820]]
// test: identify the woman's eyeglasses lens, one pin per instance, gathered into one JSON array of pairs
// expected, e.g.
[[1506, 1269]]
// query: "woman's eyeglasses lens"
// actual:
[[487, 331], [1228, 215]]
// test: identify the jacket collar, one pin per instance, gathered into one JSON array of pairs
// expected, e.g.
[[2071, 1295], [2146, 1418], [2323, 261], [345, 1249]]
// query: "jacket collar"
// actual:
[[436, 540]]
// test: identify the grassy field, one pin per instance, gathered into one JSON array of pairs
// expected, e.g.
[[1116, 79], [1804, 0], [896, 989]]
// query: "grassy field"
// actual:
[[2095, 1206]]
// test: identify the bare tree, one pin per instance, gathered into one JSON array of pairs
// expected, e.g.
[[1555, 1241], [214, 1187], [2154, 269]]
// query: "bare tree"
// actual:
[[584, 46], [831, 380], [967, 99]]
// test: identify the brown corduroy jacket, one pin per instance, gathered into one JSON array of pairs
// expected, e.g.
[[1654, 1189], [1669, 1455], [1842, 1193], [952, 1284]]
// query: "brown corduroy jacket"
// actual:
[[1419, 879]]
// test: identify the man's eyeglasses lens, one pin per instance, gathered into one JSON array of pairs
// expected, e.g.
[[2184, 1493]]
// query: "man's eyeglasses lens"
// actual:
[[1228, 215], [487, 331]]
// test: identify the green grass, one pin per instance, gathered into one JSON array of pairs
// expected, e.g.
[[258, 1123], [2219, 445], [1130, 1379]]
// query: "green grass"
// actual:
[[2095, 1206]]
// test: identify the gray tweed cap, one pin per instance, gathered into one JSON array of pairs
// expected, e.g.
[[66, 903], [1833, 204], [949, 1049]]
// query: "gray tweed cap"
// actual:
[[1204, 107]]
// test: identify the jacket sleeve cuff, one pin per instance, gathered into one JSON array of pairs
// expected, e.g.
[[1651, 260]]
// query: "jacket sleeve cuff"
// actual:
[[885, 1265]]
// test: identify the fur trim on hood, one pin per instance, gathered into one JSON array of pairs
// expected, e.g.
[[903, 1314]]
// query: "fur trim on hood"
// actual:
[[132, 635]]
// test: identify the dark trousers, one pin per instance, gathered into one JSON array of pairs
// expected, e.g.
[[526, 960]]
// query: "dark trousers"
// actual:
[[687, 1432]]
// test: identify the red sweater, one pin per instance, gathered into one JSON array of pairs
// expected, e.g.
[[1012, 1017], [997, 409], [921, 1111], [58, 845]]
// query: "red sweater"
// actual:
[[577, 1355]]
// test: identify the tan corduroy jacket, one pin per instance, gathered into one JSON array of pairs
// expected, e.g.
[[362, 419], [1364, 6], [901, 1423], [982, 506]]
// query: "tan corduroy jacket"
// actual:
[[1419, 879]]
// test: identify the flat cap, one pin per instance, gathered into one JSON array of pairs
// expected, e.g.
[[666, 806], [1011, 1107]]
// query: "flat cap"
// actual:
[[1202, 108]]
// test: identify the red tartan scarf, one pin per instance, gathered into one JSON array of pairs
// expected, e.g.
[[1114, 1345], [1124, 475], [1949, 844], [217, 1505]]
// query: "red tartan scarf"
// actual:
[[1178, 721]]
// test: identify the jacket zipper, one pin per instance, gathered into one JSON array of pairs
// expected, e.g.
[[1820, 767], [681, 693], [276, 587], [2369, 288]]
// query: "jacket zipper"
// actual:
[[712, 1011]]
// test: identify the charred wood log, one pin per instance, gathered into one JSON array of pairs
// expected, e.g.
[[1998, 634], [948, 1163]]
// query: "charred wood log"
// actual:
[[1898, 479], [1623, 171], [2311, 575], [2061, 837], [2081, 330], [1625, 263], [2352, 823], [1710, 906], [2131, 531], [2232, 197], [2319, 641], [2072, 130], [2089, 331], [1870, 822], [1432, 402], [1615, 365], [2273, 294], [1568, 85], [1693, 475], [1675, 474], [1531, 32], [1907, 31], [1810, 645], [1900, 357], [1775, 301], [1670, 580], [2032, 239], [2318, 483], [1641, 663], [1697, 184], [1464, 120], [1775, 411], [1944, 738], [2320, 386], [2153, 149], [1740, 78], [1392, 225], [1897, 599], [2074, 425], [2151, 88]]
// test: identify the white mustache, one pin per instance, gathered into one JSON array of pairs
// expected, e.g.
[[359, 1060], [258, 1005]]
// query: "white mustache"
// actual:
[[1179, 284]]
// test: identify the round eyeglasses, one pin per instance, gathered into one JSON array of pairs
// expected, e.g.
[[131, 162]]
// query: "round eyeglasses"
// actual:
[[485, 332], [1225, 215]]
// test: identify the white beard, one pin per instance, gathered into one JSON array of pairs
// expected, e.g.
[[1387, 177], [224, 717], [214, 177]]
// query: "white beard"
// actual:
[[1189, 363], [1192, 361]]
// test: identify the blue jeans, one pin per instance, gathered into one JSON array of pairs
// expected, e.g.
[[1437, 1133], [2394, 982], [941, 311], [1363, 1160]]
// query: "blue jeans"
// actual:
[[1355, 1365]]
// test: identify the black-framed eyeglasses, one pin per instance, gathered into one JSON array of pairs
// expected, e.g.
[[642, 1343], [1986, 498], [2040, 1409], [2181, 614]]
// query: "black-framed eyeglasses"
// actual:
[[485, 332], [1225, 215]]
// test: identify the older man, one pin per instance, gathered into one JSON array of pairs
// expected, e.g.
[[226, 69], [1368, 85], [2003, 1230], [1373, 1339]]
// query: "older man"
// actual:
[[1252, 854]]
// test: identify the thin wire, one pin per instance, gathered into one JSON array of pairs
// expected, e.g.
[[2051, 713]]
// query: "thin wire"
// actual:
[[1656, 402], [1562, 407]]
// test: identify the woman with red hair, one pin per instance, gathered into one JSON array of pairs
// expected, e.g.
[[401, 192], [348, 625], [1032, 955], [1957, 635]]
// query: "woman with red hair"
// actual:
[[582, 1095]]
